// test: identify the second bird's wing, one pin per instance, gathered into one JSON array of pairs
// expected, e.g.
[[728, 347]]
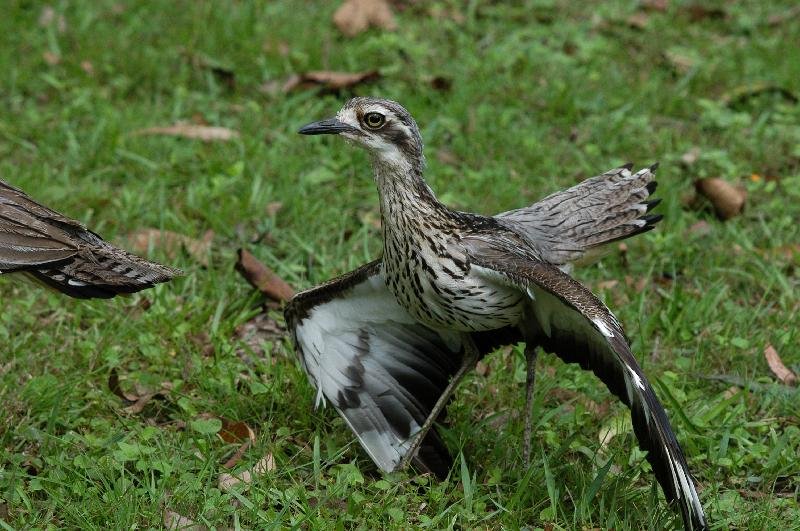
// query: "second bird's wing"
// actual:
[[64, 255], [565, 226], [569, 321]]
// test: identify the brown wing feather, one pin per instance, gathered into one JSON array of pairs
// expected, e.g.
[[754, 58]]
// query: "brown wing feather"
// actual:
[[61, 253]]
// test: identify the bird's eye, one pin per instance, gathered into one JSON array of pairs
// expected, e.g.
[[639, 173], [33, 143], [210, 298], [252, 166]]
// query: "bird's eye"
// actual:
[[374, 120]]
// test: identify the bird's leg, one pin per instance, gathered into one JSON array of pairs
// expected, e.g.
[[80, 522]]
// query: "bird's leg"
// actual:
[[468, 362], [530, 379]]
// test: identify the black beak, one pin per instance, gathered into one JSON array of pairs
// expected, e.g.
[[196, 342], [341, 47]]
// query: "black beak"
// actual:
[[331, 126]]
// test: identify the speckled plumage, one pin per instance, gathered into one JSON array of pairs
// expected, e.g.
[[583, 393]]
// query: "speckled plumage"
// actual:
[[380, 343]]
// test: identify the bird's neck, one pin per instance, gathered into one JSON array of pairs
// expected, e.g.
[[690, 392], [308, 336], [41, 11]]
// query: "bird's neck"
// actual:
[[405, 197]]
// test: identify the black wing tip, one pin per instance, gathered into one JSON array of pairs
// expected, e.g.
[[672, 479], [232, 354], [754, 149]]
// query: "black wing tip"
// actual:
[[653, 167], [651, 187], [627, 166], [652, 204], [651, 219]]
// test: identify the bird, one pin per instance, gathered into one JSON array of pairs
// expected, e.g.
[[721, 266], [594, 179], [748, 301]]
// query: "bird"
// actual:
[[62, 254], [387, 343]]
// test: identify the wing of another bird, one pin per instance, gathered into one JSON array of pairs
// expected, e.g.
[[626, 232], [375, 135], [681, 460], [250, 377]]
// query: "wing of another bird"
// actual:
[[61, 253], [575, 325], [609, 207]]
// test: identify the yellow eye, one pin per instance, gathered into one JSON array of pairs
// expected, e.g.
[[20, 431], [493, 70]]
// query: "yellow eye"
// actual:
[[374, 120]]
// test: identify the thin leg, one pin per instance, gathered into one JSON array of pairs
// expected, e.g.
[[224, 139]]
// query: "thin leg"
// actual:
[[530, 359], [471, 357]]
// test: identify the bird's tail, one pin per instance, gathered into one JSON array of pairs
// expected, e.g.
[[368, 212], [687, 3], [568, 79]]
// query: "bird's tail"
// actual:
[[566, 225], [102, 274]]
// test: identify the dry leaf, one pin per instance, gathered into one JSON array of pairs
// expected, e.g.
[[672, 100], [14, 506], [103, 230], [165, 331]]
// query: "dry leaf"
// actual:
[[206, 133], [171, 243], [638, 20], [701, 228], [682, 63], [262, 278], [51, 58], [607, 284], [135, 403], [264, 465], [783, 373], [445, 156], [482, 369], [727, 199], [273, 208], [174, 522], [87, 67], [691, 156], [326, 80], [256, 331], [355, 16], [698, 12], [654, 5]]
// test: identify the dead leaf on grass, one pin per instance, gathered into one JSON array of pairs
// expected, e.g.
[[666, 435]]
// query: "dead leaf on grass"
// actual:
[[51, 58], [258, 330], [174, 522], [206, 133], [262, 278], [264, 465], [699, 229], [135, 403], [171, 243], [742, 94], [727, 199], [638, 20], [654, 5], [273, 208], [356, 16], [699, 12], [326, 80], [691, 156], [783, 373]]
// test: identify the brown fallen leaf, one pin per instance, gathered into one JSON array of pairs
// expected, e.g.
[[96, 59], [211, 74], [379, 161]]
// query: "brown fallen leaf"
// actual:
[[326, 80], [356, 16], [482, 369], [135, 403], [698, 12], [701, 228], [679, 61], [727, 199], [206, 133], [51, 58], [691, 156], [176, 522], [171, 243], [264, 465], [262, 278], [783, 373], [654, 5], [273, 208], [638, 20]]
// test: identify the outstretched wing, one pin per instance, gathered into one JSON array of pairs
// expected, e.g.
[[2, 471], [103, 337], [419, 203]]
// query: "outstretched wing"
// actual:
[[568, 224], [63, 254], [571, 322], [381, 369]]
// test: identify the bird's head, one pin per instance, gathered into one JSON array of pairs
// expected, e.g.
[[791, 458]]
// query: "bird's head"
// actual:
[[383, 127]]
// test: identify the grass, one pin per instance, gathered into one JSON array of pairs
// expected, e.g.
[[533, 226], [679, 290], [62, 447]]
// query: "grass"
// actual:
[[543, 94]]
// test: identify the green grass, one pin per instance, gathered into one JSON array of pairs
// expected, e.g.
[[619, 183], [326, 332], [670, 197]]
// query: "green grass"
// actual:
[[543, 94]]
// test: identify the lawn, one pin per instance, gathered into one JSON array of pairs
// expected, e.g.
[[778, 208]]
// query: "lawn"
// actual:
[[515, 100]]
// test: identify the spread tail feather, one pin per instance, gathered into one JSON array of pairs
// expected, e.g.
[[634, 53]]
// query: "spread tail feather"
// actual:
[[566, 225]]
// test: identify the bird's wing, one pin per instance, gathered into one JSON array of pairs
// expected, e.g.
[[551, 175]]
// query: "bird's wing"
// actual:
[[64, 255], [567, 224], [575, 325], [381, 369], [31, 234]]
